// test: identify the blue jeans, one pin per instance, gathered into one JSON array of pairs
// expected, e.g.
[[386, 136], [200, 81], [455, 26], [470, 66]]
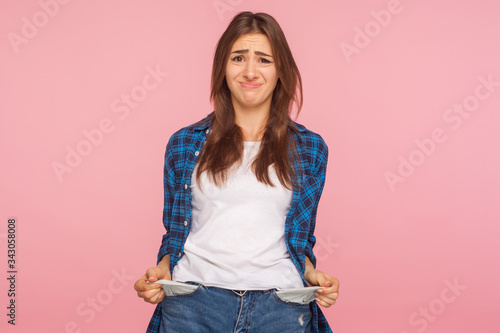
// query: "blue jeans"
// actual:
[[210, 309]]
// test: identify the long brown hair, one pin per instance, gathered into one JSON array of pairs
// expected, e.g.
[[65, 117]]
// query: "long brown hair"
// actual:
[[224, 146]]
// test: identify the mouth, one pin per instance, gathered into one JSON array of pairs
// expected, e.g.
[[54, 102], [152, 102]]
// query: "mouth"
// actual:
[[250, 85]]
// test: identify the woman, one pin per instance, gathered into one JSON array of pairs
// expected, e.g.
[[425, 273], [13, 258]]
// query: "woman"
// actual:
[[242, 188]]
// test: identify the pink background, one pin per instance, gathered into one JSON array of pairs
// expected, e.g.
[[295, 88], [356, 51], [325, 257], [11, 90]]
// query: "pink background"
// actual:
[[397, 248]]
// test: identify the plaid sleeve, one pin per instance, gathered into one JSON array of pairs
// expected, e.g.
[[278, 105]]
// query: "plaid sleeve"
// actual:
[[168, 197], [319, 151], [168, 202], [177, 161], [315, 159]]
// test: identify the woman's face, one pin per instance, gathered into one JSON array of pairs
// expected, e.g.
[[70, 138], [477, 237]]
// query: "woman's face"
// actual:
[[250, 72]]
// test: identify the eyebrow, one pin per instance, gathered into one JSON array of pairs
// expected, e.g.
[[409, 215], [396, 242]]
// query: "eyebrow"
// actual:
[[256, 52]]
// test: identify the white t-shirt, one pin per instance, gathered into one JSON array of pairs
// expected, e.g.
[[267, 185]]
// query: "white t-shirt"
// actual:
[[237, 232]]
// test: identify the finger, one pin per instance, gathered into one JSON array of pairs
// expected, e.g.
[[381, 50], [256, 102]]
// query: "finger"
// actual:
[[155, 298], [148, 293], [325, 301], [331, 285], [158, 297], [334, 281], [327, 294], [142, 286], [334, 294], [151, 293], [328, 290], [153, 274], [139, 285]]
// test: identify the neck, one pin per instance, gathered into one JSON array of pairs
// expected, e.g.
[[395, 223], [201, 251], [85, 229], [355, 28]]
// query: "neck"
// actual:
[[252, 121]]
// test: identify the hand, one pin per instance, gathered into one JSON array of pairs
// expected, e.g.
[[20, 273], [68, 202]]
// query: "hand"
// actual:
[[152, 293], [325, 297]]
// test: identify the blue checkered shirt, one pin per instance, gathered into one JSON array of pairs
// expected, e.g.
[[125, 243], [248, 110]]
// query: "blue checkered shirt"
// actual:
[[182, 152]]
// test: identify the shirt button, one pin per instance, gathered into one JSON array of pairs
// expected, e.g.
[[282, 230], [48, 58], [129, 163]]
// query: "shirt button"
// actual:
[[185, 186], [180, 254], [196, 153], [207, 131], [185, 223]]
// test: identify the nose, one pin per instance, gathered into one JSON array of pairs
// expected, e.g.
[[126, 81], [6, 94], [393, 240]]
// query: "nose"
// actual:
[[250, 71]]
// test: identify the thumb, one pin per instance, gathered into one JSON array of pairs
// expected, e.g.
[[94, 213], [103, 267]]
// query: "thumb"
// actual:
[[154, 274], [324, 281]]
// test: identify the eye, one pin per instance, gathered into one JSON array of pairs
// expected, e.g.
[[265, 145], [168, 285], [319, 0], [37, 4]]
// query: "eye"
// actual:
[[237, 59], [265, 61]]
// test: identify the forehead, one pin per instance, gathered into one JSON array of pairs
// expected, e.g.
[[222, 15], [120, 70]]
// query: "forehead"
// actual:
[[256, 42]]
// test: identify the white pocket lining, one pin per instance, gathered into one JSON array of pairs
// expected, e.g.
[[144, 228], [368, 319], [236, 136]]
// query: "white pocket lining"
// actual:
[[298, 295]]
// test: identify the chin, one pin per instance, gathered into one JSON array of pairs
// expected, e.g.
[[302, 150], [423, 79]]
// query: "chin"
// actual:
[[249, 101]]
